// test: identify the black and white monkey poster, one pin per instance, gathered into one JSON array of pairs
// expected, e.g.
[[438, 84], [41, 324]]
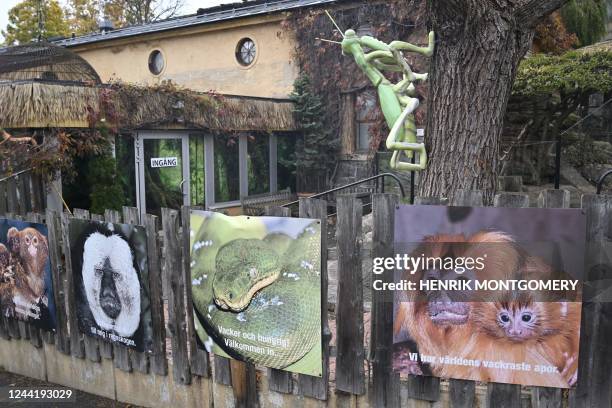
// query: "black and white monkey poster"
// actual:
[[110, 277]]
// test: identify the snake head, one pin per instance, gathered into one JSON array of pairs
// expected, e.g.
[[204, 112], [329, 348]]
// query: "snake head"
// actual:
[[243, 267]]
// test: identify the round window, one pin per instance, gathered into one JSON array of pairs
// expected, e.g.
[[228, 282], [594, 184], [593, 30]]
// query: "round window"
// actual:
[[156, 62], [246, 51]]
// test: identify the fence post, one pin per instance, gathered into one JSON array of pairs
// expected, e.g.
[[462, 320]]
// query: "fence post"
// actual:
[[91, 344], [542, 397], [462, 393], [12, 204], [313, 386], [120, 353], [199, 357], [3, 196], [159, 363], [77, 346], [106, 348], [279, 380], [62, 338], [594, 385], [506, 395], [385, 383], [176, 296], [139, 360], [33, 332], [421, 387], [350, 376]]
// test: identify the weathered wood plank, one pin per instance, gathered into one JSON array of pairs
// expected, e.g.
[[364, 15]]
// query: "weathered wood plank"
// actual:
[[92, 351], [222, 372], [24, 193], [12, 324], [159, 363], [77, 345], [121, 355], [463, 392], [594, 386], [3, 197], [199, 358], [544, 397], [422, 387], [244, 384], [506, 395], [34, 334], [4, 324], [350, 374], [62, 337], [11, 193], [37, 194], [105, 348], [307, 385], [503, 395], [385, 383], [176, 296], [279, 380], [139, 360]]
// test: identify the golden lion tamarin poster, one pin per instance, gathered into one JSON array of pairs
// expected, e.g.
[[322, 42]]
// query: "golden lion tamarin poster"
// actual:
[[26, 290], [487, 294]]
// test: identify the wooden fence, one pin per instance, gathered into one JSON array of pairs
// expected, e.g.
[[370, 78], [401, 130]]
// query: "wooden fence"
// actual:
[[362, 375]]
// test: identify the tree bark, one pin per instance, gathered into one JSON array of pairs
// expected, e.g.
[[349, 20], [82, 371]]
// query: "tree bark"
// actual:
[[479, 46]]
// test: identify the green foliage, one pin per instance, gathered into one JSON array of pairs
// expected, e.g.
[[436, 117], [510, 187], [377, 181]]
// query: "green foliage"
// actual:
[[23, 24], [83, 16], [104, 183], [585, 18], [317, 149], [570, 73], [583, 151]]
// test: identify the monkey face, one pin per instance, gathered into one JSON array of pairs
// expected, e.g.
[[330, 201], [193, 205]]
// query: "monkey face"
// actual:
[[31, 242], [518, 324], [447, 308], [109, 297], [111, 283]]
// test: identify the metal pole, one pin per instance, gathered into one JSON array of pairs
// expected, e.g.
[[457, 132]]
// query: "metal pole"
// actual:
[[558, 162], [412, 183]]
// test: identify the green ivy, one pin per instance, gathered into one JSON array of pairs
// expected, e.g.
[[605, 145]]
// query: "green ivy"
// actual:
[[104, 184], [317, 149]]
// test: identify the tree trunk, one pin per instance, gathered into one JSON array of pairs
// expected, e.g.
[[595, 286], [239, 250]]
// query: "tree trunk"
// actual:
[[479, 45]]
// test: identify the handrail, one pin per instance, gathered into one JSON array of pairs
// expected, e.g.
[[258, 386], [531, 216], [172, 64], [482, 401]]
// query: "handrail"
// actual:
[[365, 180], [601, 179], [15, 174]]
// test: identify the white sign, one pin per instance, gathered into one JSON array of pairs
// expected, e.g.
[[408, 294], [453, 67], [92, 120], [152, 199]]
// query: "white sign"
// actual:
[[164, 162]]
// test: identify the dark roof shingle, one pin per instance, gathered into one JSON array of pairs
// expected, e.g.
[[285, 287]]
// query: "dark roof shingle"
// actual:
[[204, 16]]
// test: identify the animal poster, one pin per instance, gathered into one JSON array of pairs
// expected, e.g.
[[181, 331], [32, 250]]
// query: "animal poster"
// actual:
[[109, 263], [256, 284], [487, 294], [26, 289]]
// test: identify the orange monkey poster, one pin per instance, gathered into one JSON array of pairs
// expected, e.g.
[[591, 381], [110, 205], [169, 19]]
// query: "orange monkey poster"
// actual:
[[487, 294]]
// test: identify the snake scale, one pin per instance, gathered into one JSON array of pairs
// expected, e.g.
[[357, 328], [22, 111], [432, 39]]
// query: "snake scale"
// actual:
[[257, 293]]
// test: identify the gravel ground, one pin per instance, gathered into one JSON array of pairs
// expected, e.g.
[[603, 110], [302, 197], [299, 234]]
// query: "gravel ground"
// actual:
[[83, 399]]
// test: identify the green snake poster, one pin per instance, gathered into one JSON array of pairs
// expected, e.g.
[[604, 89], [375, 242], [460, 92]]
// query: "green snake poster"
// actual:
[[256, 285]]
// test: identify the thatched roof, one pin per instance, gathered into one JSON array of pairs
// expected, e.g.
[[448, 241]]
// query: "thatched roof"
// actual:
[[36, 104]]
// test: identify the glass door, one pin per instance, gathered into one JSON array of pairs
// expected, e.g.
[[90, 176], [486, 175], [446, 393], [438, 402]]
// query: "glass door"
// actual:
[[162, 160]]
